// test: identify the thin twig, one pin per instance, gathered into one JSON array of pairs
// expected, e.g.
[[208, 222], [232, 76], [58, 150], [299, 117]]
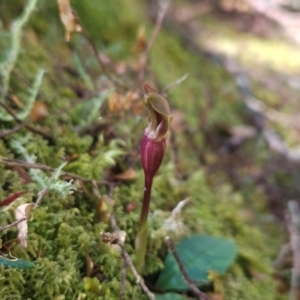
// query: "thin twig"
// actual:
[[13, 224], [160, 16], [283, 253], [126, 257], [102, 65], [11, 131], [139, 279], [129, 262], [95, 50], [164, 5], [175, 83], [25, 124], [42, 193], [20, 163], [188, 281]]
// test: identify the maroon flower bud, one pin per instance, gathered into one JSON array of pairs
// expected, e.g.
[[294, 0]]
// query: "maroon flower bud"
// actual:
[[154, 139], [152, 153]]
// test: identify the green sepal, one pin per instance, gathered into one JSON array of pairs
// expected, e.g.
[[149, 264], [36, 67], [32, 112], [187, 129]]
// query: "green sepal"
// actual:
[[158, 105]]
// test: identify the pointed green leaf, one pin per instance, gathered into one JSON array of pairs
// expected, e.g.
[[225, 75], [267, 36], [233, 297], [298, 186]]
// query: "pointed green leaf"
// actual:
[[199, 255], [16, 263]]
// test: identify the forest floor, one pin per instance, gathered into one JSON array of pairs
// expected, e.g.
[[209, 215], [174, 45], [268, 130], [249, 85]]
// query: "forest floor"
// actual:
[[231, 75]]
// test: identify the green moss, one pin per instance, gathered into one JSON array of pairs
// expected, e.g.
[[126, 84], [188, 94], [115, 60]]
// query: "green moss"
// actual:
[[243, 288], [114, 29]]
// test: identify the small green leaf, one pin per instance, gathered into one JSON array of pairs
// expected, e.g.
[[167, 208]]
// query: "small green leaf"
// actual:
[[16, 263], [169, 296], [199, 254]]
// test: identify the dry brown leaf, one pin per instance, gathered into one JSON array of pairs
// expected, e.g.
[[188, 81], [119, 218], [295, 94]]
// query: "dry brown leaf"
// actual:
[[129, 174], [38, 111], [117, 103], [11, 198], [73, 157], [22, 211], [15, 100], [89, 265], [138, 108], [131, 206], [127, 100], [68, 18], [140, 44], [114, 103]]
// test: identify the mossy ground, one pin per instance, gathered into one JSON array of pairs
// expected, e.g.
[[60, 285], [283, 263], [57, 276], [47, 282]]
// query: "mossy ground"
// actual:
[[64, 233]]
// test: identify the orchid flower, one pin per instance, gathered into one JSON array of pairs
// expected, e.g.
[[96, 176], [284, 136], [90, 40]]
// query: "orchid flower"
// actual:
[[152, 152]]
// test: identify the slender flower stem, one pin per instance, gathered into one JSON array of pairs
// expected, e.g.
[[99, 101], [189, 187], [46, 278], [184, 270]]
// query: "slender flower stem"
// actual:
[[142, 235], [146, 201]]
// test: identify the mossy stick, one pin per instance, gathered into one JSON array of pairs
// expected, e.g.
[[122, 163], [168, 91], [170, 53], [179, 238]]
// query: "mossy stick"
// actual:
[[128, 260], [16, 162], [23, 123], [13, 224]]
